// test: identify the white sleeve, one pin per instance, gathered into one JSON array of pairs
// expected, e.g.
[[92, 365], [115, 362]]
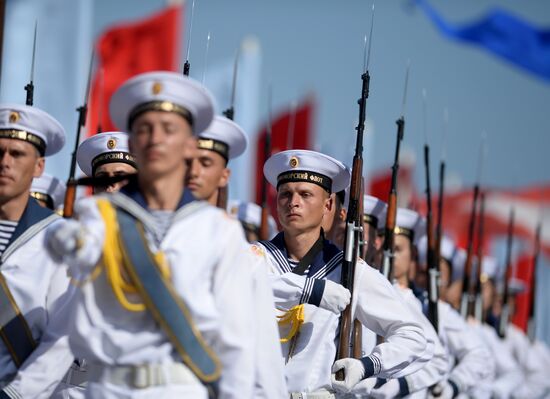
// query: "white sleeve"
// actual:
[[536, 381], [48, 363], [233, 288], [508, 373], [269, 382], [474, 360], [381, 309], [436, 368]]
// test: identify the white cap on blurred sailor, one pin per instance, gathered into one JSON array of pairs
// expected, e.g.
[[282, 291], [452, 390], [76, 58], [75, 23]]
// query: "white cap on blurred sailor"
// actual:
[[32, 125], [374, 211], [409, 223], [224, 137], [516, 286], [48, 189], [102, 148], [162, 91], [250, 216], [307, 166], [489, 268]]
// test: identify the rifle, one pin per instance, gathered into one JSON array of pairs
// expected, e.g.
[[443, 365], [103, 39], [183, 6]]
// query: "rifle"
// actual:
[[354, 220], [387, 264], [531, 324], [477, 310], [187, 65], [439, 225], [70, 193], [505, 313], [264, 224], [466, 281], [229, 113], [29, 87], [433, 267]]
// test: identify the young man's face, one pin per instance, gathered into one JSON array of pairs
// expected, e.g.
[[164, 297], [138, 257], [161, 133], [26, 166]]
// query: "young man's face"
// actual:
[[19, 164], [111, 170], [206, 173], [404, 259], [302, 206], [160, 141]]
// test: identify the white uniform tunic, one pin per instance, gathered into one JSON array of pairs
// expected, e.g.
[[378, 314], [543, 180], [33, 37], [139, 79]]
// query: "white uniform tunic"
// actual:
[[436, 368], [375, 304], [40, 288], [537, 376], [469, 360], [210, 265], [508, 374]]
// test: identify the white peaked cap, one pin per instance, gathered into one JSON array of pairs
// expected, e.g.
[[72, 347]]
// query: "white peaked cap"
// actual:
[[251, 214], [102, 148], [224, 137], [162, 91], [307, 166], [32, 125], [48, 187]]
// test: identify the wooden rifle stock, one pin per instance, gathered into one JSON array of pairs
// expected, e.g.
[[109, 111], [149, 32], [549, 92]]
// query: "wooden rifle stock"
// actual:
[[70, 196], [476, 309], [465, 300], [433, 267], [354, 224], [505, 315], [391, 214]]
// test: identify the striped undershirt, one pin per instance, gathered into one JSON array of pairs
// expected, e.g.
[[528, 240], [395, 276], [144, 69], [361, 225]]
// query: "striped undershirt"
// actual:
[[7, 227]]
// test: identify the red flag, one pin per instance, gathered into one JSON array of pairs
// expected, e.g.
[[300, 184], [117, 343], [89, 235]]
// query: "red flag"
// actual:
[[296, 121], [129, 49], [380, 184], [524, 272], [530, 204]]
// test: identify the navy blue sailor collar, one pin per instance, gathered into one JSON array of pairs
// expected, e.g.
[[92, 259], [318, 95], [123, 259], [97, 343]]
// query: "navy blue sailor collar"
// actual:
[[32, 214], [323, 263], [132, 191]]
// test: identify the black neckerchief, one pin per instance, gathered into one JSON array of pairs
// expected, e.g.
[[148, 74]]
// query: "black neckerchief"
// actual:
[[310, 255]]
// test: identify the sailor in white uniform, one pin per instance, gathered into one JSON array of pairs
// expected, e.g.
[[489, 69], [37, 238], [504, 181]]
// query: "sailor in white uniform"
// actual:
[[106, 155], [508, 373], [207, 178], [409, 228], [166, 307], [305, 274], [34, 351], [469, 359], [208, 170], [48, 191]]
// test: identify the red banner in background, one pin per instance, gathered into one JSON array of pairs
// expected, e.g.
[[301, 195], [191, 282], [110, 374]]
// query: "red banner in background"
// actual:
[[524, 272], [291, 129], [128, 49]]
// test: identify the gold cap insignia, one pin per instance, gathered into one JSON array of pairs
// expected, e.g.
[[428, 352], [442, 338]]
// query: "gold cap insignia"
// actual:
[[14, 117], [157, 88], [293, 162], [111, 144]]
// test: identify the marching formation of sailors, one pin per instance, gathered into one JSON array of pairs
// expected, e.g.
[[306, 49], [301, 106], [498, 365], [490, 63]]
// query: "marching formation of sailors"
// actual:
[[152, 291]]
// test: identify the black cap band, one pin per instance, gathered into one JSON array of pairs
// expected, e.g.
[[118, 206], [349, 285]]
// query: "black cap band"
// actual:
[[113, 157], [370, 219], [404, 231], [38, 142], [305, 176], [214, 145], [165, 106]]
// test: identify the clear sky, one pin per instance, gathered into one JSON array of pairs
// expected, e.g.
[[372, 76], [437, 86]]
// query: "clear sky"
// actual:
[[317, 45]]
